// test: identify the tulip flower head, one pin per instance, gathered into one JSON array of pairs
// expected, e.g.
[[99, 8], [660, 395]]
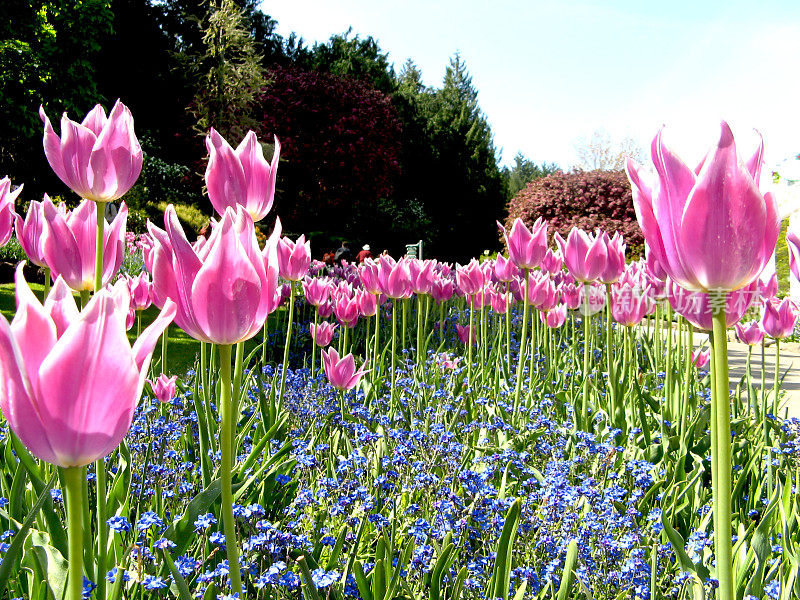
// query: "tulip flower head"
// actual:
[[317, 290], [224, 290], [100, 158], [294, 258], [141, 291], [711, 228], [30, 232], [615, 261], [629, 305], [526, 247], [241, 177], [70, 239], [555, 317], [69, 380], [7, 213], [463, 334], [552, 262], [780, 318], [322, 334], [341, 372], [585, 255], [163, 387], [504, 269], [700, 358], [698, 308], [751, 334]]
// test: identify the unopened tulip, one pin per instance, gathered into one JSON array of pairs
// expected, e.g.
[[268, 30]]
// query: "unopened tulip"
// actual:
[[322, 334], [552, 261], [99, 159], [442, 289], [585, 255], [223, 292], [7, 213], [555, 317], [368, 274], [711, 230], [70, 240], [164, 387], [780, 318], [751, 334], [345, 307], [629, 305], [394, 278], [367, 303], [241, 177], [325, 309], [700, 358], [30, 232], [572, 295], [69, 380], [421, 273], [141, 291], [526, 247], [317, 290], [341, 372], [504, 269], [463, 334], [470, 278], [615, 261], [294, 258]]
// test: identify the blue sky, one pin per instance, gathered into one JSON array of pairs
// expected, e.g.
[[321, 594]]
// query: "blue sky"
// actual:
[[550, 73]]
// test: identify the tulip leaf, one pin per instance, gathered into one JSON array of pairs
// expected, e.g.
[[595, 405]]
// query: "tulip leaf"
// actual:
[[180, 582], [12, 556], [181, 530], [51, 562], [501, 578]]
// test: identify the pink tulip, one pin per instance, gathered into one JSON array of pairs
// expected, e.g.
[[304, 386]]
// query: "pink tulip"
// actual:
[[585, 255], [164, 387], [341, 372], [445, 362], [394, 278], [317, 290], [572, 295], [30, 232], [552, 262], [241, 177], [769, 287], [597, 299], [345, 307], [526, 247], [751, 334], [99, 159], [793, 242], [700, 358], [779, 318], [421, 273], [711, 229], [698, 308], [615, 263], [368, 274], [69, 380], [504, 269], [7, 213], [470, 278], [322, 334], [223, 292], [294, 258], [629, 305], [654, 268], [141, 291], [442, 290], [463, 334], [70, 239], [555, 317], [367, 303]]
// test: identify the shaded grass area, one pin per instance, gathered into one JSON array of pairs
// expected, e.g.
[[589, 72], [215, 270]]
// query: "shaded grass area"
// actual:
[[182, 353]]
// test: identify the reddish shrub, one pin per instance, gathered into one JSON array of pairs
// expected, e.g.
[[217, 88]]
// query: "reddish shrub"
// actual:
[[589, 200]]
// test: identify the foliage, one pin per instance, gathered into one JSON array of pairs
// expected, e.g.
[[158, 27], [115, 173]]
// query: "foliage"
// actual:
[[589, 200], [231, 74], [355, 57], [523, 172], [190, 217], [12, 252], [339, 150]]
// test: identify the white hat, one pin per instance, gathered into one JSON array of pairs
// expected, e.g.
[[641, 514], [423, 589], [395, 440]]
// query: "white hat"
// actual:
[[365, 247]]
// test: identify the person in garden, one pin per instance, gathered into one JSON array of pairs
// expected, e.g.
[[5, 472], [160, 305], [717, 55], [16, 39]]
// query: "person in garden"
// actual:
[[364, 254], [343, 253]]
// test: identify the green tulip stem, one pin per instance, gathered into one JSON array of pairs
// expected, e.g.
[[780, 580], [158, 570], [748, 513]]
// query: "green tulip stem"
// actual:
[[721, 455], [405, 323], [522, 339], [420, 360], [314, 344], [394, 349], [226, 466], [377, 338], [72, 480], [776, 391], [584, 414], [164, 349], [289, 323], [99, 465], [508, 325], [612, 382], [470, 341], [265, 332], [46, 284]]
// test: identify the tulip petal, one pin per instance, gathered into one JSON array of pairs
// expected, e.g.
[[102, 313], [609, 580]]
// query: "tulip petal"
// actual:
[[60, 305], [88, 402], [723, 225], [225, 177], [77, 142], [52, 147]]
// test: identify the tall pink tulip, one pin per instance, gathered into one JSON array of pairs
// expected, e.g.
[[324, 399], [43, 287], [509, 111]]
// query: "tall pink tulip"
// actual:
[[615, 261], [225, 290], [504, 269], [70, 380], [585, 255], [30, 232], [241, 177], [294, 258], [341, 372], [780, 318], [394, 278], [317, 290], [70, 240], [367, 303], [751, 334], [442, 289], [470, 278], [7, 212], [555, 317], [629, 305], [100, 158], [711, 228], [526, 247], [322, 334], [345, 306]]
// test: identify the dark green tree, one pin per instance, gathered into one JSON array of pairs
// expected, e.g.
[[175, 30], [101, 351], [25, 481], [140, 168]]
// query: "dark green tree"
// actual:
[[523, 172], [355, 57]]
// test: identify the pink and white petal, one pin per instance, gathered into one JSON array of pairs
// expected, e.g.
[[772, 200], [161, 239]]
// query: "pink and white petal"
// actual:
[[52, 147], [77, 142], [225, 177], [60, 305]]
